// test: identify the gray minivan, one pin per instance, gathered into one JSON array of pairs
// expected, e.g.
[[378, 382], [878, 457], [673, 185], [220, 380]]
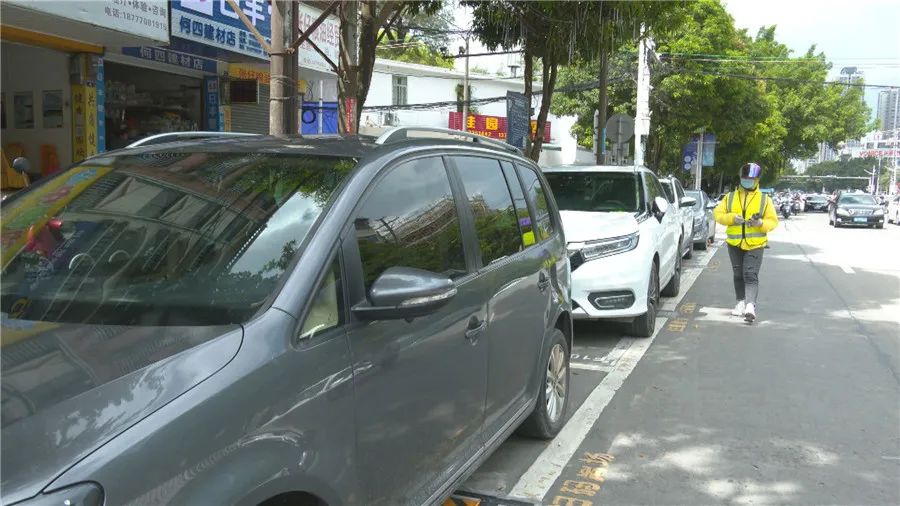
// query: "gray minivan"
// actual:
[[268, 321]]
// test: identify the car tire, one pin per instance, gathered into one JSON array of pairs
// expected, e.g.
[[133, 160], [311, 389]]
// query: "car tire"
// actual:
[[674, 285], [880, 225], [548, 419], [644, 325]]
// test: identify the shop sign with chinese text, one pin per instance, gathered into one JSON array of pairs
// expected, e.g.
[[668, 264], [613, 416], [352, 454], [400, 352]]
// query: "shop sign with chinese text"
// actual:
[[143, 18], [490, 126], [163, 55], [214, 23]]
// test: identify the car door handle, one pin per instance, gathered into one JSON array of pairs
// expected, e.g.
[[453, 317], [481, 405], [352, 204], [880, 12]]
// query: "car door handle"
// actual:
[[475, 328], [543, 282]]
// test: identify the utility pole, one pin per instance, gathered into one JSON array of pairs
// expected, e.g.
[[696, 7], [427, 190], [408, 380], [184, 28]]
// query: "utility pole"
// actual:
[[293, 116], [465, 111], [699, 159], [348, 82], [604, 76], [642, 109]]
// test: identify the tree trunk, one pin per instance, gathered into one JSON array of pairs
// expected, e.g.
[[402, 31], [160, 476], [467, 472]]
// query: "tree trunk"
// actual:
[[603, 100], [550, 68], [277, 95], [529, 71], [368, 34]]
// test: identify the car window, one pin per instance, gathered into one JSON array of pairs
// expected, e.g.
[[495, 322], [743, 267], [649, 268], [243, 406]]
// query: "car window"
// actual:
[[856, 199], [492, 207], [410, 220], [667, 188], [536, 193], [596, 191], [162, 239], [679, 190], [526, 226], [327, 308]]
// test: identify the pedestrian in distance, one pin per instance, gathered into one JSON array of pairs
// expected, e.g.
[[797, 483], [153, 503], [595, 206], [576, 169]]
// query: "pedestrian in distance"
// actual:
[[749, 216]]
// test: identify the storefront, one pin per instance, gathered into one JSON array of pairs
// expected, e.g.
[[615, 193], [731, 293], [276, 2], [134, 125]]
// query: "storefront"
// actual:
[[52, 73], [153, 90], [212, 29]]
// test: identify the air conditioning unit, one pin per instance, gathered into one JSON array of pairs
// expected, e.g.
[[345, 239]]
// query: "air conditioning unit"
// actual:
[[391, 119]]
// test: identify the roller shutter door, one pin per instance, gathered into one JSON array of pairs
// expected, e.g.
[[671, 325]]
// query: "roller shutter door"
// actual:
[[252, 118]]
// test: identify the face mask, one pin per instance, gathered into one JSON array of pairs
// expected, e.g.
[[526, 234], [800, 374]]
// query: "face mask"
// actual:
[[748, 184]]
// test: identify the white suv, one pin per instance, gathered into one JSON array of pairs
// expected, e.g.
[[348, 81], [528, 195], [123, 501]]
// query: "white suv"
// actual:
[[683, 207], [622, 242]]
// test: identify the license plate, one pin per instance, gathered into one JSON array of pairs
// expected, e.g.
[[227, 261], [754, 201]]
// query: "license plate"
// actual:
[[860, 220]]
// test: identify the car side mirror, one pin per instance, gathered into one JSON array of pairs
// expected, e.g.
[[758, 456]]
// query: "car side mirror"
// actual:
[[405, 292], [710, 205], [660, 207], [688, 201], [23, 166]]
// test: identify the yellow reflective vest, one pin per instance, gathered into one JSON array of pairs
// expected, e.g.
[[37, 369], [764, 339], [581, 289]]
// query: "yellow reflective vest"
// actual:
[[746, 203]]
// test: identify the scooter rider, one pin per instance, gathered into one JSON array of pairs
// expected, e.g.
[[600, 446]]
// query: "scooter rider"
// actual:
[[748, 215]]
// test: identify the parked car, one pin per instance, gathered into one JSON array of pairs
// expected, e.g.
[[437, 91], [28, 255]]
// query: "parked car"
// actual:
[[856, 209], [704, 223], [683, 206], [816, 202], [270, 321], [623, 242], [893, 210]]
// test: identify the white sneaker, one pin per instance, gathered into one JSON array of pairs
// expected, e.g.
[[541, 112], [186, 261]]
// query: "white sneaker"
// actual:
[[739, 309], [750, 312]]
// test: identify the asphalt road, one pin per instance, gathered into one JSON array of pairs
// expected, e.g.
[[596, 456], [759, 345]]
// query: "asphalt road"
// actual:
[[802, 407]]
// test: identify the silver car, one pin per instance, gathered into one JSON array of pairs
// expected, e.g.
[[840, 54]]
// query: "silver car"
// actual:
[[704, 223]]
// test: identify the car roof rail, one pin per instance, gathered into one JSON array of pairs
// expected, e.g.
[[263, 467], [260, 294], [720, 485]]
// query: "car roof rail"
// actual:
[[400, 133], [190, 135]]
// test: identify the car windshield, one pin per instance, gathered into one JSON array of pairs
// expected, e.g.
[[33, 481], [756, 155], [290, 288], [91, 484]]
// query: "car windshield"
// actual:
[[596, 191], [696, 196], [667, 187], [857, 199], [185, 238]]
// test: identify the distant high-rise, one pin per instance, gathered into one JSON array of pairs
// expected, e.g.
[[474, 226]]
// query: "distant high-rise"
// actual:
[[889, 109]]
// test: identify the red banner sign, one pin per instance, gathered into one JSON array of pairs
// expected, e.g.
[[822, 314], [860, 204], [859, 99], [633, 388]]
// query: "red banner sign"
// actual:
[[490, 126]]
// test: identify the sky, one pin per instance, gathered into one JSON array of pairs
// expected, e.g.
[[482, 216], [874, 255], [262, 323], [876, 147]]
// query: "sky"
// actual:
[[860, 33]]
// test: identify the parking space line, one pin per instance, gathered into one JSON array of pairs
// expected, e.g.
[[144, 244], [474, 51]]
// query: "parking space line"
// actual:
[[537, 481], [591, 367]]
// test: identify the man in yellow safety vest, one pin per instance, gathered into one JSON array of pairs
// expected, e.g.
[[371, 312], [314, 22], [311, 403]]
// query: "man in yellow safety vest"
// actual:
[[749, 216]]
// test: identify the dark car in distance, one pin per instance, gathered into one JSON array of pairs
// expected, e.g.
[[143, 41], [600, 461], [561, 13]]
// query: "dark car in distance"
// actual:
[[267, 321], [856, 209], [817, 203]]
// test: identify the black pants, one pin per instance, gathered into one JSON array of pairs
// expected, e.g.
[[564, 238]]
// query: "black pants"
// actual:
[[745, 267]]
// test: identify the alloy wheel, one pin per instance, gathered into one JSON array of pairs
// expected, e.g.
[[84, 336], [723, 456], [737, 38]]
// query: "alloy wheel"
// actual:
[[556, 388]]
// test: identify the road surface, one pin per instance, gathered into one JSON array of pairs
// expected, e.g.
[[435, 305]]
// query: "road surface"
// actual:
[[802, 407]]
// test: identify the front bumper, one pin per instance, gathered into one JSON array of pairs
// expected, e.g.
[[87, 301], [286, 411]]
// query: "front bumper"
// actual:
[[859, 221], [701, 233], [617, 284]]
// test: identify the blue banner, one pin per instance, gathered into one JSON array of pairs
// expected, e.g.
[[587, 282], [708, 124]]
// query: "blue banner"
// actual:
[[689, 155], [709, 150], [211, 89], [162, 55], [214, 23], [101, 106], [311, 113], [517, 121]]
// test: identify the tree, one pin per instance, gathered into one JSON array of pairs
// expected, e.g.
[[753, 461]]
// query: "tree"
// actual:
[[413, 51]]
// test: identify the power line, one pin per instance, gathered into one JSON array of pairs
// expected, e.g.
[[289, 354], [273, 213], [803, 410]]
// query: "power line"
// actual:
[[782, 79]]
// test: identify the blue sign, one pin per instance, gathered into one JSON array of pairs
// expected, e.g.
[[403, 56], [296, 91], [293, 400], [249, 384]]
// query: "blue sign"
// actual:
[[311, 113], [689, 155], [162, 55], [101, 106], [517, 123], [211, 89], [214, 23], [709, 150]]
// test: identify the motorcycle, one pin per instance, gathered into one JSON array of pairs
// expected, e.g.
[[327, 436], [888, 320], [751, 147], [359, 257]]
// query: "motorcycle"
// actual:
[[784, 207], [795, 206]]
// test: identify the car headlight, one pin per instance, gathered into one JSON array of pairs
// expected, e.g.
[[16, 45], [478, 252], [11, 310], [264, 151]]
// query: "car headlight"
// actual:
[[878, 212], [842, 212], [605, 247], [83, 494]]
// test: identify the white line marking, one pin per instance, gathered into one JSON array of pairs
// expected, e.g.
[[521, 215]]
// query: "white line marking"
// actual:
[[846, 268], [546, 469], [591, 367]]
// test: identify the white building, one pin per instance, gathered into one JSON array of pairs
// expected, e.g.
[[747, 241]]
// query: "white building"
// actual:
[[401, 84], [888, 111]]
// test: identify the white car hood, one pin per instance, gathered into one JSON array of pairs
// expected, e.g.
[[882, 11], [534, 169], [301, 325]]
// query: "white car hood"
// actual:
[[582, 226]]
